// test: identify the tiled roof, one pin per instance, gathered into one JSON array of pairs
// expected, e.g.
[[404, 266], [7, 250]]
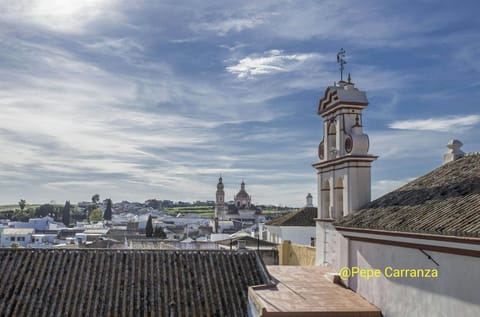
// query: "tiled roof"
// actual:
[[305, 291], [304, 217], [250, 242], [445, 201], [150, 244], [127, 283]]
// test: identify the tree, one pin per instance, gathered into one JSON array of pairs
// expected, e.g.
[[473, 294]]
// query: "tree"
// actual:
[[96, 215], [95, 198], [155, 204], [22, 203], [66, 213], [77, 215], [149, 227], [22, 215], [45, 210], [159, 233], [108, 212]]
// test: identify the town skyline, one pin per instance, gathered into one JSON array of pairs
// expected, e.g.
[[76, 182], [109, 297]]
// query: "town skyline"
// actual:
[[157, 100]]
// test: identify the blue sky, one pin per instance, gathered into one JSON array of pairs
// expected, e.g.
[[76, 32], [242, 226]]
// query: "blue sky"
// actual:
[[154, 99]]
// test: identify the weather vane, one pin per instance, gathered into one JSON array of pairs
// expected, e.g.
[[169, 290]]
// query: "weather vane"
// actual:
[[341, 60]]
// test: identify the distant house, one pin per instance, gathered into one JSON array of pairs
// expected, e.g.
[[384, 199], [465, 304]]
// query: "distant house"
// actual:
[[298, 227], [39, 224], [16, 236], [43, 240]]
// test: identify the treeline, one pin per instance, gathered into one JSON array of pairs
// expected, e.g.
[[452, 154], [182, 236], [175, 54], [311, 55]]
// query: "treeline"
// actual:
[[57, 212], [67, 214]]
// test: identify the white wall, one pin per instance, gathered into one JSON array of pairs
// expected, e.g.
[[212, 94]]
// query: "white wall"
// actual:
[[454, 293], [326, 244], [298, 235]]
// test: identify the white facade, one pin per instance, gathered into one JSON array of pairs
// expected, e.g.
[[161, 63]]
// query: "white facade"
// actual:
[[19, 237], [453, 293], [43, 240], [44, 223], [296, 234]]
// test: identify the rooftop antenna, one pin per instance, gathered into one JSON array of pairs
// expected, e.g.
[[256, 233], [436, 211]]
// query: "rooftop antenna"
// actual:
[[341, 60]]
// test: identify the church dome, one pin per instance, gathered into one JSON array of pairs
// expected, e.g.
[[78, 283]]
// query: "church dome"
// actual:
[[242, 194]]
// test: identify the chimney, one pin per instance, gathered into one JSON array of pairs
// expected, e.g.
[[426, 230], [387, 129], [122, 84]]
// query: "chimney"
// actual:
[[309, 200], [453, 153], [216, 225]]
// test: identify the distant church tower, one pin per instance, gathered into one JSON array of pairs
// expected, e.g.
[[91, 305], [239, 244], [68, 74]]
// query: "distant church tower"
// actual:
[[344, 183], [220, 201]]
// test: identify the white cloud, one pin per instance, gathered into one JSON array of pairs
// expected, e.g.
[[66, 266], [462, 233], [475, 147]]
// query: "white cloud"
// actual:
[[58, 15], [223, 27], [271, 62], [443, 124]]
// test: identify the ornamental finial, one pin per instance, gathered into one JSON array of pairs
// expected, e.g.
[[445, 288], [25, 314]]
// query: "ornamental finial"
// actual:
[[341, 60]]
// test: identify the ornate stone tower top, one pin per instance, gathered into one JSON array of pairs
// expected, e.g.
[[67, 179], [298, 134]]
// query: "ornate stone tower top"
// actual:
[[341, 109], [220, 184], [344, 167]]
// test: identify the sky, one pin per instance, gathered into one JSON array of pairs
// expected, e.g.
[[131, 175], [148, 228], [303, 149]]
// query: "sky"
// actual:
[[155, 99]]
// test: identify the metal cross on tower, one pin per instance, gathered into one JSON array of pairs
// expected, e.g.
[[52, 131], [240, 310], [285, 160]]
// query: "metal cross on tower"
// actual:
[[341, 60]]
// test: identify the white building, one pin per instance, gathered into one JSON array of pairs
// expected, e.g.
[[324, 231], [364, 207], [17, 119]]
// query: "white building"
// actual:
[[432, 223], [44, 223], [43, 240], [19, 237], [297, 227]]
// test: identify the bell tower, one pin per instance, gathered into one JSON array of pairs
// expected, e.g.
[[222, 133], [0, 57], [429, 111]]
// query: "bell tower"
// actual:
[[343, 172], [344, 167], [220, 201]]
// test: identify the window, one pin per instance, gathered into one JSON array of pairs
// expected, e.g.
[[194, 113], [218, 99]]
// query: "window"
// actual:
[[332, 140], [12, 238], [21, 239]]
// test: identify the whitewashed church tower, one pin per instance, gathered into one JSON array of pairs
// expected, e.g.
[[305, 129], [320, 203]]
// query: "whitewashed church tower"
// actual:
[[220, 201], [344, 169]]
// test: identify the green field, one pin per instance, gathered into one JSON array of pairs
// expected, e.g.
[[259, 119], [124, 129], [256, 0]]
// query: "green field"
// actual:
[[209, 211], [15, 207], [202, 211]]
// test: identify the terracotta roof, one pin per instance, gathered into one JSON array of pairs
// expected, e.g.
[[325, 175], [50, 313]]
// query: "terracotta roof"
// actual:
[[305, 291], [445, 201], [134, 282], [304, 217]]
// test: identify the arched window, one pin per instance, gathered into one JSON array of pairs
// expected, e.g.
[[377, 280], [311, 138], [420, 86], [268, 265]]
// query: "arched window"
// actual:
[[326, 199], [332, 140], [339, 197]]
